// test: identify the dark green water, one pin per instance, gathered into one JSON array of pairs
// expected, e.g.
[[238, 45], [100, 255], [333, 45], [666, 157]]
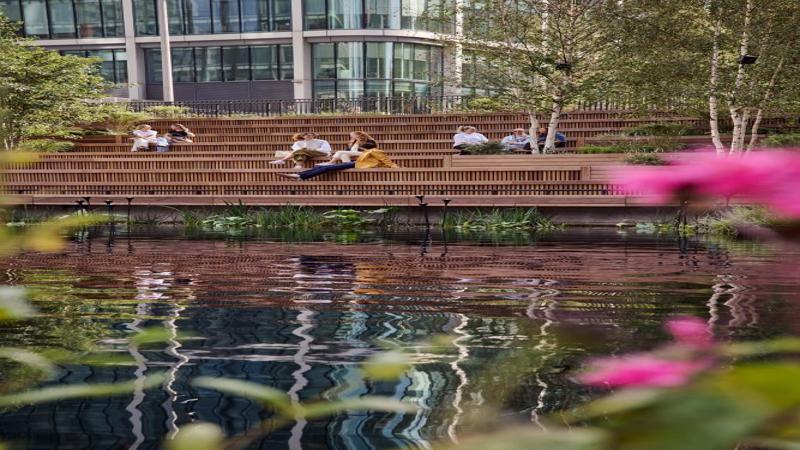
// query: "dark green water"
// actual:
[[301, 317]]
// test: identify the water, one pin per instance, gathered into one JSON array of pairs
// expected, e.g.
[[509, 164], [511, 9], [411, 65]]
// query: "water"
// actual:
[[301, 317]]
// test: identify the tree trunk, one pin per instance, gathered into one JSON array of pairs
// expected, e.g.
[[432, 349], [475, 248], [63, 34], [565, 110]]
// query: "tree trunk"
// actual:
[[737, 112], [533, 132], [555, 114], [764, 101], [754, 130], [736, 118], [713, 111], [743, 133]]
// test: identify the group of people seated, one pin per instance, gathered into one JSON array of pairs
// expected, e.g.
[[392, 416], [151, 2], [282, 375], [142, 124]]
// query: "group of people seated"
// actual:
[[308, 146], [144, 136], [517, 141]]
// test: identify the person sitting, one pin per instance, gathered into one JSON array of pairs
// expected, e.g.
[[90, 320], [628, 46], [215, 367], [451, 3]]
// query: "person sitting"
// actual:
[[306, 147], [143, 136], [517, 141], [162, 144], [370, 159], [541, 137], [359, 142], [179, 133], [465, 137]]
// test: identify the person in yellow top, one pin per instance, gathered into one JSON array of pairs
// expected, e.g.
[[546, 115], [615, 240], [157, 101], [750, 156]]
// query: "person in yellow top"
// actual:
[[370, 159]]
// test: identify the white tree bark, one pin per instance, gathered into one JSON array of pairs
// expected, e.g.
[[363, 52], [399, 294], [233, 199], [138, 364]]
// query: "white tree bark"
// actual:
[[552, 126], [760, 112], [737, 112], [713, 105], [533, 131]]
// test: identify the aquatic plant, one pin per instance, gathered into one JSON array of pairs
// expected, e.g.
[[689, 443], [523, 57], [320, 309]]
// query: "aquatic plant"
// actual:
[[352, 218], [498, 219], [730, 221], [289, 216]]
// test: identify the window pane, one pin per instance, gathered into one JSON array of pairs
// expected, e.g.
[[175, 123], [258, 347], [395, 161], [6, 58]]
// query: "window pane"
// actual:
[[88, 14], [422, 89], [121, 66], [145, 15], [208, 64], [316, 18], [403, 88], [112, 18], [199, 14], [106, 62], [152, 58], [376, 13], [350, 60], [35, 18], [379, 88], [265, 62], [403, 60], [10, 8], [324, 64], [62, 19], [349, 88], [236, 63], [345, 14], [410, 14], [287, 62], [255, 16], [281, 15], [379, 60], [182, 65], [324, 89], [226, 16], [422, 57], [175, 17]]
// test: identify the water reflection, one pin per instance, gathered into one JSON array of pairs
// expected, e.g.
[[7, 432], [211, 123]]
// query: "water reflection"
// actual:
[[301, 317]]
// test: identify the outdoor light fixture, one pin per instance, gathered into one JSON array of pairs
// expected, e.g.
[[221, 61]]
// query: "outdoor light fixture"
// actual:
[[87, 201], [130, 200], [563, 66], [747, 59]]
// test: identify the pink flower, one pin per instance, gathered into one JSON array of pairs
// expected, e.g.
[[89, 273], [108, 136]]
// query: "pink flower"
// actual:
[[690, 331], [640, 370], [771, 178]]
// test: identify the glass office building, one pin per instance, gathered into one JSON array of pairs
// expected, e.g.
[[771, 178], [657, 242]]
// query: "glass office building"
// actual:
[[252, 49]]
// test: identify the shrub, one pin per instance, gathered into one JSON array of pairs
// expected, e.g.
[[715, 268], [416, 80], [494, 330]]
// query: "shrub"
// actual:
[[45, 146], [600, 149], [489, 148], [658, 129], [645, 159], [500, 219], [782, 140], [486, 104], [168, 112], [114, 118], [727, 223]]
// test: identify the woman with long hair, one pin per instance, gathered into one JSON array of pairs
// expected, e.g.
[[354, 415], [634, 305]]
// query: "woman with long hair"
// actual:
[[359, 142]]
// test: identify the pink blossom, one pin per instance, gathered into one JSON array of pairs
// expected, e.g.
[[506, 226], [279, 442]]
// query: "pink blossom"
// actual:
[[690, 331], [771, 178], [640, 370]]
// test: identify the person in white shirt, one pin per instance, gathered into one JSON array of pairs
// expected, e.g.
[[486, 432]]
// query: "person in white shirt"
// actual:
[[466, 137], [517, 141], [306, 146], [143, 136]]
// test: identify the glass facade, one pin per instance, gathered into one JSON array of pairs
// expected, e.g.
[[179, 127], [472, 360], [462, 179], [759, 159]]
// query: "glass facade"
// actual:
[[113, 63], [215, 16], [60, 19], [234, 63], [374, 69], [376, 14]]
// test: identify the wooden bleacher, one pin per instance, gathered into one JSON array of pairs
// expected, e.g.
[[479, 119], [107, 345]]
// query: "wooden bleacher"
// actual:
[[229, 162]]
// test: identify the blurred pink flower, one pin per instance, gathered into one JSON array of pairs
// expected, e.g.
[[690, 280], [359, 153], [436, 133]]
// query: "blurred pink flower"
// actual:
[[771, 178], [640, 370], [690, 331]]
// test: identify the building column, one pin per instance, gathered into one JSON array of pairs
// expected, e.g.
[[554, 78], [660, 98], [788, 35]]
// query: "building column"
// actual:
[[135, 82], [301, 52], [166, 53], [454, 55]]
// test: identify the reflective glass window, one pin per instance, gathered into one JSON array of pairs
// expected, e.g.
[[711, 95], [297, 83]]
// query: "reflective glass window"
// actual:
[[35, 16], [208, 63], [377, 13], [323, 61], [62, 19], [422, 57], [315, 14], [287, 62], [106, 62], [281, 15], [344, 14], [411, 14], [120, 66], [378, 88], [152, 59], [255, 15], [264, 62], [175, 17], [324, 89], [89, 18], [226, 16], [349, 88], [350, 60], [11, 10], [379, 60], [236, 63], [182, 65], [403, 88], [403, 60], [112, 18], [145, 17], [198, 14]]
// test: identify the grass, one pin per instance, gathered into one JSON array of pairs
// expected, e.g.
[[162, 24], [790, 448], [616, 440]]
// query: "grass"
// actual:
[[782, 140], [499, 219], [729, 222]]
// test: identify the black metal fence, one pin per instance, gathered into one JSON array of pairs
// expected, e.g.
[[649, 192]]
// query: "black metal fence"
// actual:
[[375, 105]]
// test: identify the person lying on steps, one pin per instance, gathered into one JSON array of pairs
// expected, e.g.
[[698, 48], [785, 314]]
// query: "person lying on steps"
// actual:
[[370, 159]]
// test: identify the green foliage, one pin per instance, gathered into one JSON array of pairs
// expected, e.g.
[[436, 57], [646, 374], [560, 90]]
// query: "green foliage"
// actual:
[[729, 222], [351, 218], [43, 93], [603, 149], [645, 159], [782, 140], [114, 118], [45, 146], [168, 112], [290, 216], [487, 104], [499, 219], [489, 148], [658, 129]]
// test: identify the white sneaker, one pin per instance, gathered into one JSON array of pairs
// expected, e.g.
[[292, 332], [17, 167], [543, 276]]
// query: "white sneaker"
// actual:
[[326, 164], [277, 161]]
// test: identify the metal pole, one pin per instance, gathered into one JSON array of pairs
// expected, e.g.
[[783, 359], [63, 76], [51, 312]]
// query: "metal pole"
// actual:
[[166, 55]]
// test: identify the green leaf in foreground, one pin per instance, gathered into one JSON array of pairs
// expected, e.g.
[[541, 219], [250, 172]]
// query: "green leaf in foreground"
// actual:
[[55, 393], [13, 305], [530, 438], [385, 404], [389, 365], [265, 394], [28, 358], [197, 436]]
